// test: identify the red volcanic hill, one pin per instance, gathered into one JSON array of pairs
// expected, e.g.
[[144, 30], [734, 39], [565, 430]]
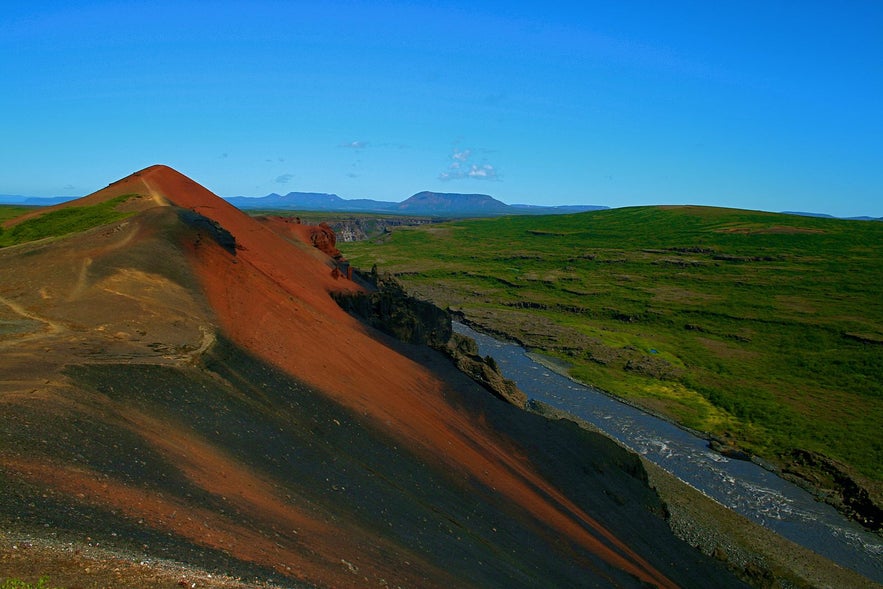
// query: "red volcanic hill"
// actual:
[[180, 384]]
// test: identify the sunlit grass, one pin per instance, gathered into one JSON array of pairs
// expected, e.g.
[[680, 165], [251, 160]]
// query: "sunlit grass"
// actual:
[[64, 221], [759, 324]]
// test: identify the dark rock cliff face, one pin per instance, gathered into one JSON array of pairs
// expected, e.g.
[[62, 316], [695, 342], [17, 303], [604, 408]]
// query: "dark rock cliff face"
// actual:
[[210, 227], [831, 482], [367, 227], [464, 352], [391, 310]]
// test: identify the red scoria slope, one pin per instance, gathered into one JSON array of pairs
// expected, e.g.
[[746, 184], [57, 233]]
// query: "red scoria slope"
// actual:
[[319, 343], [222, 295]]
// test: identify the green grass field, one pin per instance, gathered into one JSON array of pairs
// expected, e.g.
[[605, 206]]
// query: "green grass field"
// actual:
[[761, 327]]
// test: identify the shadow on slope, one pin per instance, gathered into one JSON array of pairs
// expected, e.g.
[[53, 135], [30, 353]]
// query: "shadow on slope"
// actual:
[[255, 467]]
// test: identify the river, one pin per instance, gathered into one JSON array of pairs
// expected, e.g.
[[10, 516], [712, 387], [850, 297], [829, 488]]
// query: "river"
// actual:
[[743, 486]]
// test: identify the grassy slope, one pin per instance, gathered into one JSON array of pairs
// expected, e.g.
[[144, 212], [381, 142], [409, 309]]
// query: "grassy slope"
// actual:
[[761, 326], [59, 222], [12, 211]]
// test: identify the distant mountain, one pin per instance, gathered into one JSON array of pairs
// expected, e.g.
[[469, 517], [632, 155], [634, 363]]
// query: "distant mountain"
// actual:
[[426, 203], [310, 201], [805, 214], [825, 216], [15, 199], [446, 203], [555, 210]]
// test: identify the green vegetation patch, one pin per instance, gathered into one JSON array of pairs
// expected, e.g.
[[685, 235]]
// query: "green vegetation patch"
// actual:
[[764, 328], [64, 221], [12, 211], [42, 583]]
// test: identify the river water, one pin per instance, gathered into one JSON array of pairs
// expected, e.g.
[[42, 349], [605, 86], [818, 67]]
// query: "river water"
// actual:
[[743, 486]]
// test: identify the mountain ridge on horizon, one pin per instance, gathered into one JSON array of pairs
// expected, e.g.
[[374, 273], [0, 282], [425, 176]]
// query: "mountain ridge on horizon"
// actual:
[[459, 204], [426, 202]]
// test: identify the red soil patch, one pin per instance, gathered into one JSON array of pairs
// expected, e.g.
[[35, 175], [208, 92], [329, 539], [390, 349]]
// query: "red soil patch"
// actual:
[[272, 298], [286, 540], [320, 236]]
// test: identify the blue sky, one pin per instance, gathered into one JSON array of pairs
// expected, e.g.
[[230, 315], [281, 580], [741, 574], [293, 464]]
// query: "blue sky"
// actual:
[[761, 105]]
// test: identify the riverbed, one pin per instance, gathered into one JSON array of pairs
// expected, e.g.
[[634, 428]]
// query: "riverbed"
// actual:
[[743, 486]]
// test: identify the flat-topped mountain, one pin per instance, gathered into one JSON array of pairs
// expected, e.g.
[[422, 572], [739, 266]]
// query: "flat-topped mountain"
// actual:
[[445, 202]]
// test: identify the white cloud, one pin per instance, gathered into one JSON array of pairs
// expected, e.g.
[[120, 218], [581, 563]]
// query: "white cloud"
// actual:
[[482, 172], [461, 156], [461, 168], [355, 145]]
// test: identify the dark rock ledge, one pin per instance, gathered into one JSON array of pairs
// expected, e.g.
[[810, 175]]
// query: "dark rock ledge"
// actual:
[[388, 308]]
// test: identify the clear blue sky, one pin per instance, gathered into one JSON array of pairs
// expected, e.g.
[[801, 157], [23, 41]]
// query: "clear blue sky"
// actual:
[[753, 104]]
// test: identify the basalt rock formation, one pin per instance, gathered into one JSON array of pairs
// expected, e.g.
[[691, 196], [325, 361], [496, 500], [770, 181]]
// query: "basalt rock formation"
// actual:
[[464, 352], [831, 482], [387, 307], [359, 228], [180, 384]]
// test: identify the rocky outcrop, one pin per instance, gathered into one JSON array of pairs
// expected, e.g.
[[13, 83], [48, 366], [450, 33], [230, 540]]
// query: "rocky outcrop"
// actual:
[[484, 370], [210, 227], [320, 236], [390, 309], [323, 239], [368, 227], [831, 482]]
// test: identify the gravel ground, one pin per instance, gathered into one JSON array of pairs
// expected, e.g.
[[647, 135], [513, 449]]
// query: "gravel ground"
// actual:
[[78, 565]]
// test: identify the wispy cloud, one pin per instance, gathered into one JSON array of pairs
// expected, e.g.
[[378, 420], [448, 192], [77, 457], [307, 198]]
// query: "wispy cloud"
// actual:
[[462, 167], [284, 178], [355, 144], [461, 156], [482, 172]]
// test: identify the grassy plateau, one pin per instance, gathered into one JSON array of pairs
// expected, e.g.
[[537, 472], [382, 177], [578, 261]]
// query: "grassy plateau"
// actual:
[[763, 329]]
